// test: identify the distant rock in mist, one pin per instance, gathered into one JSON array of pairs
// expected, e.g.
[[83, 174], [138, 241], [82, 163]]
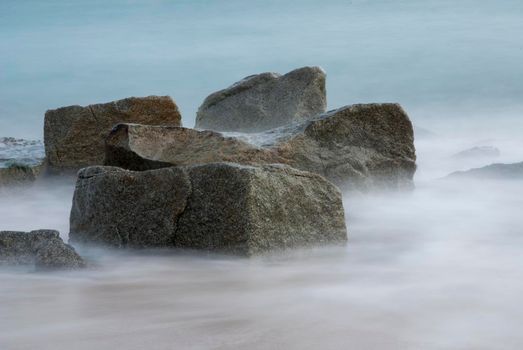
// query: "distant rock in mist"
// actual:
[[75, 136], [42, 248], [265, 101], [498, 171], [366, 146], [217, 207], [478, 152]]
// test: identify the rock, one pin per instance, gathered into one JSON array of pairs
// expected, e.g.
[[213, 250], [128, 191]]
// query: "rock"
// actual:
[[478, 152], [20, 161], [217, 207], [19, 174], [498, 171], [265, 101], [357, 147], [74, 136], [43, 248]]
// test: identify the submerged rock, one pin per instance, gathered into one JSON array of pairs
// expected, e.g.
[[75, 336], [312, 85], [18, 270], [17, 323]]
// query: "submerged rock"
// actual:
[[19, 174], [42, 248], [218, 207], [74, 136], [265, 101], [361, 146], [498, 171]]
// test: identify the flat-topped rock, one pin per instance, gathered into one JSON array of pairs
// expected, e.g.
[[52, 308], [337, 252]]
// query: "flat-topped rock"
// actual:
[[265, 101], [74, 136], [42, 248], [217, 207], [367, 146]]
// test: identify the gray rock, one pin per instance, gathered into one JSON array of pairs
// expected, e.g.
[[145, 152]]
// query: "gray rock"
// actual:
[[19, 174], [74, 136], [42, 248], [360, 147], [217, 207], [498, 171], [265, 101]]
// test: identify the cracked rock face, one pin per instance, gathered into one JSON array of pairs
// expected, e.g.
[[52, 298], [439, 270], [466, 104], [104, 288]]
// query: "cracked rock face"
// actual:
[[74, 136], [363, 147], [217, 207], [42, 248], [265, 101]]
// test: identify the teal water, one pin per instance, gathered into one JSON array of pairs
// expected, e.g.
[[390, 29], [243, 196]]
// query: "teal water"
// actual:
[[451, 59]]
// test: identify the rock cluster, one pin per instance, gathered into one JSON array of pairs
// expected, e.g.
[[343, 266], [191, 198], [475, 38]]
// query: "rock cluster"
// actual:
[[42, 248], [261, 170], [220, 207], [75, 136], [361, 146]]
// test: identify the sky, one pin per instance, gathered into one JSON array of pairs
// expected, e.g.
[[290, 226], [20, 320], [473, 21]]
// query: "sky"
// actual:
[[439, 59]]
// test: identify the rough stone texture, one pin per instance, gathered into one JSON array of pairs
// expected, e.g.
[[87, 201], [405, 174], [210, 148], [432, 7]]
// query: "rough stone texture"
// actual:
[[265, 101], [74, 136], [43, 248], [498, 171], [218, 207], [357, 147], [19, 174]]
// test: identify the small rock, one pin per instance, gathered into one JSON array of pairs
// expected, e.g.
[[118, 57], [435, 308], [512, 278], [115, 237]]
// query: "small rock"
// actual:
[[42, 248], [498, 171], [19, 174], [265, 101]]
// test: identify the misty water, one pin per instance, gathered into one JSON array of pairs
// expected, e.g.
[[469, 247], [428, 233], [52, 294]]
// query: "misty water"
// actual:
[[436, 268]]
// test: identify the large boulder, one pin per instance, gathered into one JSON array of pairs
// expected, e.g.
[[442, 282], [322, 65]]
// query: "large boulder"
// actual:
[[42, 248], [265, 101], [218, 207], [357, 147], [74, 136]]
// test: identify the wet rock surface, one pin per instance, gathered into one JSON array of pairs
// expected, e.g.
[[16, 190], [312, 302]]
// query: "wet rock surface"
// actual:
[[42, 248], [74, 136], [216, 207], [265, 101], [365, 147]]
